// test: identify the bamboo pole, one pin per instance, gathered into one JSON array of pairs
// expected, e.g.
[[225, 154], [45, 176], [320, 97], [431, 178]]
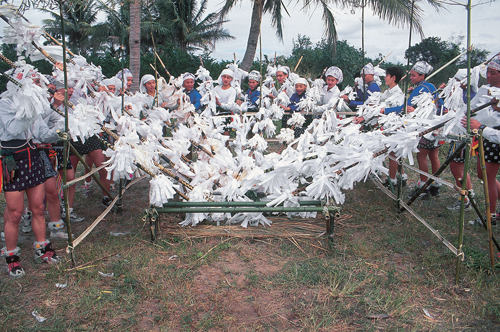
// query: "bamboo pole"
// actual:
[[486, 198], [66, 143], [448, 63], [436, 174], [406, 83], [385, 58], [163, 65], [7, 61], [483, 220], [461, 223], [298, 63]]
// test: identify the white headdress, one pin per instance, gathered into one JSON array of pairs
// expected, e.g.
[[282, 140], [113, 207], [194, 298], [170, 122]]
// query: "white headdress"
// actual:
[[187, 76], [422, 67], [254, 75], [495, 63], [368, 70], [301, 80], [335, 72], [283, 69], [226, 71], [461, 74], [125, 72], [108, 81], [145, 79]]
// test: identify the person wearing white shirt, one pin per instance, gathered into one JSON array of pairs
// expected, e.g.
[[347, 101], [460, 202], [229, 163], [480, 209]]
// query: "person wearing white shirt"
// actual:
[[24, 172], [491, 134], [331, 91], [225, 94]]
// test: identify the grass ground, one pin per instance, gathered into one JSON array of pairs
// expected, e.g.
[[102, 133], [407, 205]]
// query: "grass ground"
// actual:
[[385, 271]]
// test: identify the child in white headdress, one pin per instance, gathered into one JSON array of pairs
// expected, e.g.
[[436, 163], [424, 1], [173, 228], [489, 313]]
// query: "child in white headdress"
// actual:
[[148, 88], [225, 94], [331, 91], [253, 93], [301, 87], [282, 75], [125, 73], [368, 77]]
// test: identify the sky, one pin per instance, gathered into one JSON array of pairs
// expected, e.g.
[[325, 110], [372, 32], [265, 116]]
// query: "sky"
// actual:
[[380, 37]]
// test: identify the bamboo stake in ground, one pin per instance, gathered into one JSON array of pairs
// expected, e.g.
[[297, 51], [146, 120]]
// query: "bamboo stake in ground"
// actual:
[[486, 198]]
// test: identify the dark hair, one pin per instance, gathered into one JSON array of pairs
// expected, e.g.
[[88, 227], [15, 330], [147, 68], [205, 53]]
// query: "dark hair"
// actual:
[[396, 72]]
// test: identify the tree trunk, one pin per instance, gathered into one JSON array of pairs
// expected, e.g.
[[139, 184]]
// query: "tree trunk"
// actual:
[[253, 36], [135, 43]]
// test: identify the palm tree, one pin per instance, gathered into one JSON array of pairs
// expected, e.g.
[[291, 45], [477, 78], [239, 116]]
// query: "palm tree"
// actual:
[[398, 12], [135, 42], [114, 32], [183, 23], [79, 16]]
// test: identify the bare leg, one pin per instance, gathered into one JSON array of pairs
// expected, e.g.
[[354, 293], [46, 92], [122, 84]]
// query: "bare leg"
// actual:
[[434, 158], [35, 198], [12, 217], [97, 158], [457, 169], [393, 167], [89, 162], [491, 174], [422, 163], [52, 199]]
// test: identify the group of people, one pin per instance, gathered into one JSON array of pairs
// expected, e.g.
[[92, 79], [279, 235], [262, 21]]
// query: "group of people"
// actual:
[[32, 159], [32, 152]]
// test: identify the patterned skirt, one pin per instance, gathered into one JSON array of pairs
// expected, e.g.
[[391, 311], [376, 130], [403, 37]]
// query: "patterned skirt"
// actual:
[[91, 144], [491, 152], [29, 173], [427, 144]]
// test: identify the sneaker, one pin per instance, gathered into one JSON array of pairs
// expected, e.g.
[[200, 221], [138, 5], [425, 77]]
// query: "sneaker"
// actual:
[[45, 254], [424, 195], [479, 222], [106, 201], [14, 268], [434, 191], [456, 206], [112, 187], [404, 180], [73, 217], [388, 181], [26, 222]]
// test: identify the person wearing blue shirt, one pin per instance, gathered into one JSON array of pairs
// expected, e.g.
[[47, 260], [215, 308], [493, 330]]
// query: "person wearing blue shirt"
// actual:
[[301, 86], [253, 93], [368, 76], [426, 147], [193, 94]]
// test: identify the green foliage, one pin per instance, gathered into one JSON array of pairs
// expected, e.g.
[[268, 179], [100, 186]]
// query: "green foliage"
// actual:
[[438, 52], [176, 61], [315, 58], [80, 17], [184, 24], [9, 51]]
